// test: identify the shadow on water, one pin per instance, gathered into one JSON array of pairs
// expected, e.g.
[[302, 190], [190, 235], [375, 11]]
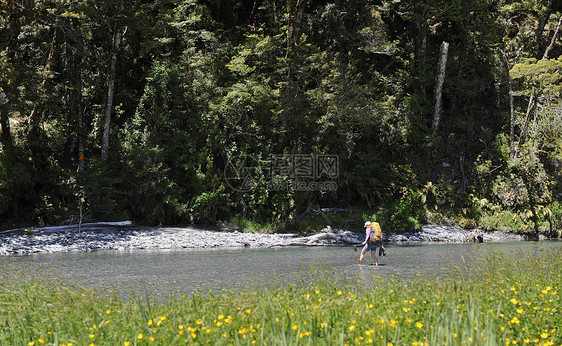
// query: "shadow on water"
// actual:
[[161, 274]]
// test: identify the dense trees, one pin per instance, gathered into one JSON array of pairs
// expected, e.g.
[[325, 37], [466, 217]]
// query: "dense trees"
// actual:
[[202, 111]]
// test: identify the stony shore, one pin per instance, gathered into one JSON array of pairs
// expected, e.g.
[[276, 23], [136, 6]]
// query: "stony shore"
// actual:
[[121, 237]]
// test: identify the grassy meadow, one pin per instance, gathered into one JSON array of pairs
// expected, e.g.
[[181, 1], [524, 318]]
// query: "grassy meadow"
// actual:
[[502, 299]]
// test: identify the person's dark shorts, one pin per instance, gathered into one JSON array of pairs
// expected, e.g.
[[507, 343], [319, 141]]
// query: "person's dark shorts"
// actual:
[[371, 246]]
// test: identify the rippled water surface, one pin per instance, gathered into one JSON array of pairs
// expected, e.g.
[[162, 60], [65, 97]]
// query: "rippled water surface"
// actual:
[[184, 271]]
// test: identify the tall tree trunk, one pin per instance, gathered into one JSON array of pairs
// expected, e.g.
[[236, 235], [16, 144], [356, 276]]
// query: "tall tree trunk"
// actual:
[[540, 28], [296, 9], [5, 122], [117, 37], [80, 134], [439, 85], [290, 91], [511, 107], [553, 41], [530, 110], [422, 52], [7, 41], [76, 105]]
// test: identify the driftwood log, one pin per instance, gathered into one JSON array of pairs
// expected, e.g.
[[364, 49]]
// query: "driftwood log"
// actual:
[[319, 239], [72, 228]]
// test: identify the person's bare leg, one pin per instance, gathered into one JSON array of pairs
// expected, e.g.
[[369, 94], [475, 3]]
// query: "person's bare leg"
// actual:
[[374, 258], [362, 256]]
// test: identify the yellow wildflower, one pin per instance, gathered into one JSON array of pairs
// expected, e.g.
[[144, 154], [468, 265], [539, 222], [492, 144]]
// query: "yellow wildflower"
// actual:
[[419, 325], [160, 320]]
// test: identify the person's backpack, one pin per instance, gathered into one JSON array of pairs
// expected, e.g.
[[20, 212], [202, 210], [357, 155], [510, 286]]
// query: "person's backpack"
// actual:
[[376, 232]]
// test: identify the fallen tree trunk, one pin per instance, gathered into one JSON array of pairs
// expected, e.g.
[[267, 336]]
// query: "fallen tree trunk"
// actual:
[[439, 85], [319, 239], [83, 227]]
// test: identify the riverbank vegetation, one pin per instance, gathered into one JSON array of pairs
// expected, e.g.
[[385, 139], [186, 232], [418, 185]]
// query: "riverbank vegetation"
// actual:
[[185, 111], [501, 299]]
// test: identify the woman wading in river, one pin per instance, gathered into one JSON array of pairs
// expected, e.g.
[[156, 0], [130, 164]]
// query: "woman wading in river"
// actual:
[[373, 239]]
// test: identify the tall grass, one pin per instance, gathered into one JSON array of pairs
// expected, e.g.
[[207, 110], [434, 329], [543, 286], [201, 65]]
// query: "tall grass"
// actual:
[[502, 299]]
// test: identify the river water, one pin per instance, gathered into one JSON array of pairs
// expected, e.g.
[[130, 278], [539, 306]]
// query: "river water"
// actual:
[[185, 271]]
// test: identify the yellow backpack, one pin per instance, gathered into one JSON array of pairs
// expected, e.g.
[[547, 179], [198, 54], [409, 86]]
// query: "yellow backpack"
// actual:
[[376, 233]]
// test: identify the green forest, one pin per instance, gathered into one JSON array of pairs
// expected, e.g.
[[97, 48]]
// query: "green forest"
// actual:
[[266, 111]]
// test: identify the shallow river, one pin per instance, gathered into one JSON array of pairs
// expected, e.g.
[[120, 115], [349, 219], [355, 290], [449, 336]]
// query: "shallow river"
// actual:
[[185, 271]]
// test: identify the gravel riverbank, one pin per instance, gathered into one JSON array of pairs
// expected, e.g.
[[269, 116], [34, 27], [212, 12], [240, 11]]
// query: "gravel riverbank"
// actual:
[[128, 237]]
